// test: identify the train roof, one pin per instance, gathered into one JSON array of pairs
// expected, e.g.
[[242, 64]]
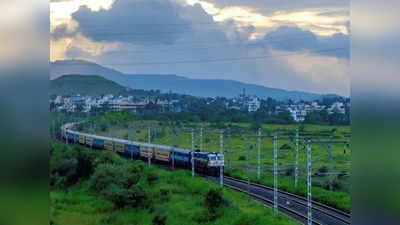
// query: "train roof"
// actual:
[[164, 147]]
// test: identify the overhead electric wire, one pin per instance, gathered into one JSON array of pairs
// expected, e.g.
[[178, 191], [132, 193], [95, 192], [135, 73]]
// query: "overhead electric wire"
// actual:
[[229, 43], [220, 59]]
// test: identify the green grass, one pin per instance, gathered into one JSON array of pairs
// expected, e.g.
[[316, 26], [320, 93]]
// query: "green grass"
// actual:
[[175, 194]]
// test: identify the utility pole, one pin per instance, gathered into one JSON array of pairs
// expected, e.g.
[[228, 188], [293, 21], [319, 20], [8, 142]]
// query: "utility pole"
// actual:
[[173, 157], [309, 184], [276, 174], [110, 133], [175, 144], [330, 163], [296, 169], [64, 132], [229, 148], [201, 138], [148, 135], [149, 150], [192, 152], [92, 130], [129, 131], [192, 139], [221, 151], [248, 166], [259, 154]]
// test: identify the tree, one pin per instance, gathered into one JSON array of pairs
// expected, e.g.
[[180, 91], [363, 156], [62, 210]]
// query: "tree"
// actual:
[[214, 200], [117, 183], [285, 117]]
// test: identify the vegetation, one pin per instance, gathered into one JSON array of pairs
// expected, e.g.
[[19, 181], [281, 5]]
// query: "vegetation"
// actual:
[[170, 132], [117, 191], [84, 85]]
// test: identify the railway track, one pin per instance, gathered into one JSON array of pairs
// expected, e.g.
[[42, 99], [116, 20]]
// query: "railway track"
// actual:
[[290, 204]]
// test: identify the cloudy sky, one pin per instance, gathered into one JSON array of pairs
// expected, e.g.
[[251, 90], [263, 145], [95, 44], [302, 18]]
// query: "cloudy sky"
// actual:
[[295, 45]]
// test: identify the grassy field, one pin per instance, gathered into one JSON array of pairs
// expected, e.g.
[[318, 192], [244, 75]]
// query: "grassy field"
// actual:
[[238, 159], [172, 198]]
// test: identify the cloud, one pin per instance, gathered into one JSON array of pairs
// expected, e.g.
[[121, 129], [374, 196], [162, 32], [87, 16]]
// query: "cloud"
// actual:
[[133, 21], [294, 39], [62, 0], [268, 15], [131, 32], [323, 74]]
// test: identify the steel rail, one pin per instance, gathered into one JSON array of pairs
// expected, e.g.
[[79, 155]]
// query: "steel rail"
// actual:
[[325, 209]]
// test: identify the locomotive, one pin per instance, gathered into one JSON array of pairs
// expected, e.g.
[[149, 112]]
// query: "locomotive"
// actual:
[[207, 163]]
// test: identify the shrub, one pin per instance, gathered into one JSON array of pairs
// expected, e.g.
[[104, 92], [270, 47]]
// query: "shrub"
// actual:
[[67, 169], [289, 172], [255, 126], [110, 219], [118, 184], [214, 200], [105, 175], [152, 178], [242, 158], [107, 157], [322, 170], [302, 128], [160, 216], [118, 194]]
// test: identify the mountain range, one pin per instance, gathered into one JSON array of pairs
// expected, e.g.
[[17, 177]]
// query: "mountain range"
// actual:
[[177, 84]]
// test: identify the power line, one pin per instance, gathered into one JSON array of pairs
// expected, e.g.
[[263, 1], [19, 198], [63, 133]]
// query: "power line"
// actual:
[[229, 43], [217, 60]]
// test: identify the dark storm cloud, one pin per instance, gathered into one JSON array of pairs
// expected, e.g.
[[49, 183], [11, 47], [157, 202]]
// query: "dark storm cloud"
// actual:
[[134, 21], [295, 39], [61, 31]]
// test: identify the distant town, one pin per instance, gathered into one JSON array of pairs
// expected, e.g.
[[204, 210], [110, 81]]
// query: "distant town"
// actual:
[[174, 103]]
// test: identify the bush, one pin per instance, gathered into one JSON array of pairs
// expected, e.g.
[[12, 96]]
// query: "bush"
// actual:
[[108, 157], [214, 200], [118, 184], [152, 178], [255, 126], [160, 216], [109, 219], [67, 169], [242, 158], [289, 172], [323, 170], [302, 127]]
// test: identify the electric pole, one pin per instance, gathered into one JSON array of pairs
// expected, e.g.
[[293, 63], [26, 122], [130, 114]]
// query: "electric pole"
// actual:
[[309, 184], [259, 154]]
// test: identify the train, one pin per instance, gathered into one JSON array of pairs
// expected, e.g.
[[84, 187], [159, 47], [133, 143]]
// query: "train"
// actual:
[[207, 163]]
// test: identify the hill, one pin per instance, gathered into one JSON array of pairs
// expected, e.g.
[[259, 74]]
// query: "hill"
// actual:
[[84, 85], [213, 88], [177, 84]]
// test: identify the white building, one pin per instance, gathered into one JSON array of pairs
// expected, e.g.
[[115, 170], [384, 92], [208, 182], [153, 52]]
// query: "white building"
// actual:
[[297, 114], [254, 104], [337, 107]]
